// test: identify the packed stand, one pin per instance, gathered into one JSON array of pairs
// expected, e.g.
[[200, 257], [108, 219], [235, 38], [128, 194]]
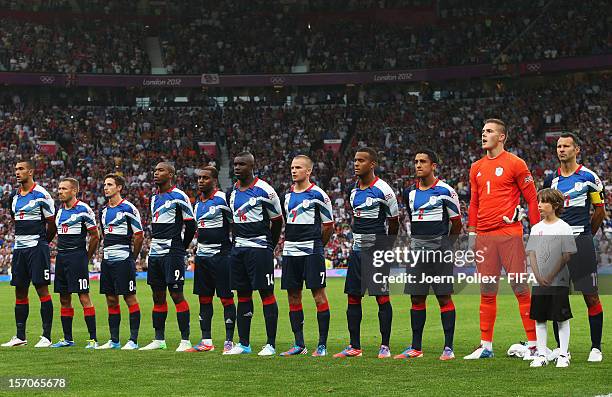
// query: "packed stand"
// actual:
[[73, 47]]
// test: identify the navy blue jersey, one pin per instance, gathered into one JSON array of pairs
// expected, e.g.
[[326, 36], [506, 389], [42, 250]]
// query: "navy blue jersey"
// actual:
[[169, 210], [581, 189], [371, 207], [305, 212], [72, 226], [30, 212], [252, 211], [213, 216], [119, 224], [430, 210]]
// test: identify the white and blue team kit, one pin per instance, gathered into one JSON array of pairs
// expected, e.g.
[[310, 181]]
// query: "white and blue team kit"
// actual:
[[303, 258], [118, 271], [212, 269], [31, 249], [372, 207], [251, 258], [580, 190], [430, 211], [169, 211], [72, 263]]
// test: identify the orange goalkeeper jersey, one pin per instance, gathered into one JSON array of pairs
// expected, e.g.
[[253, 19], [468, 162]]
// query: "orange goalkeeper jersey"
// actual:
[[495, 187]]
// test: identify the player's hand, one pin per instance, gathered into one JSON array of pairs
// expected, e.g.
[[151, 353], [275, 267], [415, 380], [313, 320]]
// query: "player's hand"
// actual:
[[519, 214], [543, 281]]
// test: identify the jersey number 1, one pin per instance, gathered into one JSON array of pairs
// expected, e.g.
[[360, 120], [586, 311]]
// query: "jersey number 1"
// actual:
[[488, 187]]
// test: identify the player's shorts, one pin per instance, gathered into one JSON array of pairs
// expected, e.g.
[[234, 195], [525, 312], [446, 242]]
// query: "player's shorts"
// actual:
[[212, 274], [71, 272], [550, 304], [362, 276], [583, 265], [31, 264], [501, 248], [118, 277], [166, 271], [308, 268], [433, 274], [251, 268]]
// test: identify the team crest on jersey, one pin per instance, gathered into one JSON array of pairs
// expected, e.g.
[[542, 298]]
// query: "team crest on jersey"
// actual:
[[212, 209], [253, 201], [578, 186], [167, 204], [433, 200], [306, 203], [499, 171], [369, 201]]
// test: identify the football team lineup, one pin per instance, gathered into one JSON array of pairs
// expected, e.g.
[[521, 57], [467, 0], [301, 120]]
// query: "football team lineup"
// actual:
[[236, 236]]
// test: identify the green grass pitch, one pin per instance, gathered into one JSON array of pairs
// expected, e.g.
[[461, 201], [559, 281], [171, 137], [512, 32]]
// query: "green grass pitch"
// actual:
[[165, 373]]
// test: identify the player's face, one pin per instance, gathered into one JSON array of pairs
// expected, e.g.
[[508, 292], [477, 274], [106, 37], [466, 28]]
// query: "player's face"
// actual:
[[567, 149], [546, 209], [206, 182], [111, 188], [243, 167], [66, 192], [363, 164], [300, 170], [492, 135], [23, 173], [161, 175], [423, 165]]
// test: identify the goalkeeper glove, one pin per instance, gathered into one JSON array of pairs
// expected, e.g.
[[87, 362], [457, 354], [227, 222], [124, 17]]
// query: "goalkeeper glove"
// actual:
[[517, 216]]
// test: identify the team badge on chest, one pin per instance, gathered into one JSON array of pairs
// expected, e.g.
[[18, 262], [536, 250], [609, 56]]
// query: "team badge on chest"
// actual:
[[499, 171]]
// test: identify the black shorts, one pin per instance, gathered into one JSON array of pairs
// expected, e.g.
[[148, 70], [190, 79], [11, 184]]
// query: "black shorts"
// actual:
[[251, 268], [308, 268], [212, 274], [72, 272], [166, 272], [425, 276], [583, 265], [31, 264], [362, 276], [550, 304], [118, 277]]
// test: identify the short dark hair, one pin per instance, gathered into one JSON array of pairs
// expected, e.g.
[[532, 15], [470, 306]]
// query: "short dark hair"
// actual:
[[371, 152], [574, 137], [552, 197], [213, 171], [498, 122], [29, 162], [119, 180], [72, 181], [430, 153]]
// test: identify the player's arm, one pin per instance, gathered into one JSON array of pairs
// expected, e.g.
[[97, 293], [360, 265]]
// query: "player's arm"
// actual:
[[276, 227], [133, 217], [473, 208], [597, 200], [188, 221], [327, 218], [392, 215], [525, 182], [272, 206], [453, 210], [48, 211], [94, 241]]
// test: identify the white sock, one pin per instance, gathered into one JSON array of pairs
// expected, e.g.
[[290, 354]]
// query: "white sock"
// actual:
[[564, 336], [542, 335], [486, 344]]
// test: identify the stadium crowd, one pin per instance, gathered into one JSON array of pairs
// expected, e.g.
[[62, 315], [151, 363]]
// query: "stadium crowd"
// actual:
[[93, 141], [198, 39]]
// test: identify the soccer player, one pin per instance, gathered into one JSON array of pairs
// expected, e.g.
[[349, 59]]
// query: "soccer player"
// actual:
[[123, 237], [581, 188], [170, 211], [258, 221], [373, 202], [431, 205], [550, 246], [496, 183], [74, 221], [212, 272], [310, 224], [33, 213]]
